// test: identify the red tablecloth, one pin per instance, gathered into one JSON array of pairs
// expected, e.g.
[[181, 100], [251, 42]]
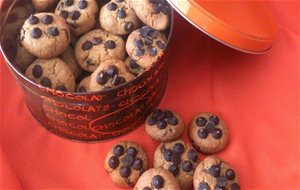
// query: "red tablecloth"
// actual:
[[257, 96]]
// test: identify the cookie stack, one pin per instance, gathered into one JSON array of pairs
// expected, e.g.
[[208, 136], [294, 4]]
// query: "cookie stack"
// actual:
[[85, 45]]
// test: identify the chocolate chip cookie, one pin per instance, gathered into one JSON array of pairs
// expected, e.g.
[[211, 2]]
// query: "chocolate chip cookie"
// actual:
[[157, 178], [214, 173], [133, 67], [180, 159], [84, 85], [69, 58], [118, 18], [145, 46], [109, 74], [96, 47], [23, 58], [125, 163], [51, 73], [80, 14], [164, 125], [43, 5], [45, 35], [208, 133], [154, 13]]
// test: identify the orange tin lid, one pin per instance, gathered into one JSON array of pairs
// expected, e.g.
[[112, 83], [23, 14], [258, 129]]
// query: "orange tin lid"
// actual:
[[247, 26]]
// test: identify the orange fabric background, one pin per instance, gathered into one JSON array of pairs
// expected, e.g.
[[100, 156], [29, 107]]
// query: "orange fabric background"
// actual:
[[257, 96]]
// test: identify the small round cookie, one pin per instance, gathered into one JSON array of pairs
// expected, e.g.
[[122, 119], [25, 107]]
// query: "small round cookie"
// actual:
[[145, 46], [157, 178], [109, 74], [23, 58], [96, 47], [125, 163], [45, 35], [208, 133], [164, 125], [84, 85], [133, 67], [153, 13], [80, 14], [43, 5], [69, 58], [214, 173], [116, 17], [52, 73], [180, 159]]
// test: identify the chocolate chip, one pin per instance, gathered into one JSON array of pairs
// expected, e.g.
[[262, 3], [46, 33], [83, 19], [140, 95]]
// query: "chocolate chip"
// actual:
[[176, 158], [168, 114], [113, 162], [162, 124], [219, 188], [156, 113], [37, 71], [217, 133], [148, 41], [214, 119], [64, 14], [112, 71], [112, 6], [133, 64], [82, 4], [53, 31], [121, 13], [167, 154], [118, 150], [137, 164], [192, 155], [210, 126], [156, 8], [152, 51], [152, 121], [144, 31], [132, 151], [110, 44], [82, 89], [33, 20], [161, 45], [221, 181], [158, 181], [139, 51], [87, 45], [125, 171], [97, 41], [68, 3], [129, 26], [138, 42], [101, 78], [230, 174], [203, 186], [75, 15], [235, 186], [128, 160], [187, 166], [165, 9], [153, 34], [46, 82], [36, 33], [61, 88], [90, 61], [179, 148], [117, 80], [47, 19], [202, 133], [119, 1], [174, 169], [73, 25], [201, 121], [172, 120], [146, 188], [214, 170]]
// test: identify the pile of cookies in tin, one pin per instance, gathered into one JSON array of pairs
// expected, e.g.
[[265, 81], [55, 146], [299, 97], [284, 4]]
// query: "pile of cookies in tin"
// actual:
[[90, 45], [176, 163]]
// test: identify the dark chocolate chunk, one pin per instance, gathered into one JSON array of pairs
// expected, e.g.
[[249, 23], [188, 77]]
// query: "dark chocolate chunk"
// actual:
[[37, 71], [164, 8], [47, 19], [137, 164], [147, 188], [230, 174], [192, 155], [161, 45], [132, 151], [117, 80], [133, 64], [203, 186], [82, 4], [90, 61], [152, 51], [129, 26], [139, 51], [217, 133], [161, 124], [202, 133], [118, 150], [61, 88], [112, 71], [210, 126], [161, 116], [144, 31], [97, 41], [101, 78], [235, 186], [156, 113], [168, 114], [138, 42], [112, 6], [119, 1], [214, 170], [158, 181], [69, 3], [187, 166], [87, 45], [172, 120], [125, 171], [75, 15], [221, 181], [167, 153], [148, 41], [156, 8], [82, 89], [110, 44], [46, 82], [153, 34], [152, 121], [53, 31], [64, 14], [179, 148], [219, 188], [33, 20], [214, 119], [201, 121], [174, 169], [121, 13], [113, 162], [128, 160], [176, 158], [36, 33]]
